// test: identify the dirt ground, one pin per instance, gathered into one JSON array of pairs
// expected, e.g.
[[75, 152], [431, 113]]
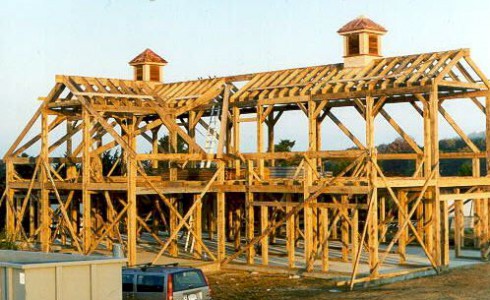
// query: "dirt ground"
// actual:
[[463, 283]]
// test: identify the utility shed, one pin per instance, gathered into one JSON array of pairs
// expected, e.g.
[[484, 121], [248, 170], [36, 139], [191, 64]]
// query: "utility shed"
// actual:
[[32, 275]]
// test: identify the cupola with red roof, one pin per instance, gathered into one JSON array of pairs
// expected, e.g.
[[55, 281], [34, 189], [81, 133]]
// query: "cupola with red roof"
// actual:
[[148, 66], [362, 41]]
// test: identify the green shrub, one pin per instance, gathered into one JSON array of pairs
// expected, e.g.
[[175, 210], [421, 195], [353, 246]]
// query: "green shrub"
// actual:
[[7, 242]]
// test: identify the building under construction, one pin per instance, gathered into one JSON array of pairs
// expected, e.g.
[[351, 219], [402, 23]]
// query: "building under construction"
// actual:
[[236, 206]]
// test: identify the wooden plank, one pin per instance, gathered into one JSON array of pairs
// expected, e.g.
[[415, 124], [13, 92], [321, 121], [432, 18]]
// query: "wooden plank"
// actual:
[[402, 212], [346, 131], [132, 215], [400, 131], [458, 130], [221, 215], [290, 234], [264, 223], [45, 220], [324, 235], [464, 196], [86, 196], [223, 122], [354, 235], [55, 92]]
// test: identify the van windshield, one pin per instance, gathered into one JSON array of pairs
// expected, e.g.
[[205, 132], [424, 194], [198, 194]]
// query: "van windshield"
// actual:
[[188, 280]]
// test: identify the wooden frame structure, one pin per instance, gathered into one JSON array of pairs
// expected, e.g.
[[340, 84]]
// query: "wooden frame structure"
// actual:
[[69, 199]]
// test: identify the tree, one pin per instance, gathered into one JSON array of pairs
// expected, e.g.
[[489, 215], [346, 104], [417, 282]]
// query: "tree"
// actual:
[[163, 142], [286, 146], [397, 167], [109, 159]]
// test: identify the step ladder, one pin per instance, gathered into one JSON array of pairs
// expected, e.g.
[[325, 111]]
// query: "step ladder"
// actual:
[[211, 138], [190, 240]]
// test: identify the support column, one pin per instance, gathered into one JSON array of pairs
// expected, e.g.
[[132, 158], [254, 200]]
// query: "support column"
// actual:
[[220, 198], [154, 146], [32, 217], [290, 233], [249, 213], [308, 220], [427, 203], [131, 195], [9, 202], [458, 225], [173, 248], [260, 139], [236, 139], [324, 235], [71, 169], [264, 223], [354, 234], [221, 215], [373, 191], [237, 221], [402, 211], [197, 226], [441, 232], [382, 219], [313, 146], [344, 229], [86, 197]]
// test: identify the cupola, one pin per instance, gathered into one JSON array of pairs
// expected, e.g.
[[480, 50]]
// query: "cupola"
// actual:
[[362, 41], [148, 66]]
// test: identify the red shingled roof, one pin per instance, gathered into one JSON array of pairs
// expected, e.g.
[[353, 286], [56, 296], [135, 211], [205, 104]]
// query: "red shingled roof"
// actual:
[[361, 23], [147, 56]]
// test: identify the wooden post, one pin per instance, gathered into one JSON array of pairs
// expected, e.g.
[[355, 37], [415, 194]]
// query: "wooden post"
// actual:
[[308, 220], [220, 199], [221, 215], [131, 194], [440, 249], [237, 227], [10, 193], [32, 216], [249, 213], [428, 209], [264, 223], [355, 234], [260, 139], [324, 235], [173, 249], [344, 228], [45, 220], [485, 225], [458, 226], [373, 192], [71, 169], [86, 197], [420, 220], [402, 211], [318, 135], [382, 219], [290, 233], [154, 146], [231, 220], [197, 226], [270, 135], [312, 146], [236, 139]]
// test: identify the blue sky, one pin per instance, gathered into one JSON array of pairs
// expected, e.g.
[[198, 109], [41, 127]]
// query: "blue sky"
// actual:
[[39, 39]]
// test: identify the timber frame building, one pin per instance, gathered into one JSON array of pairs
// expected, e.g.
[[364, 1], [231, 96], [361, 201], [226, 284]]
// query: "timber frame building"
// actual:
[[74, 201]]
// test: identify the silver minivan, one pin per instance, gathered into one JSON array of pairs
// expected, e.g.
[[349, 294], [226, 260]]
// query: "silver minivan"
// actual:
[[168, 282]]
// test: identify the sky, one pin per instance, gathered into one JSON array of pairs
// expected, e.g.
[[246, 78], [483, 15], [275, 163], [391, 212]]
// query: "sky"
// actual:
[[39, 39]]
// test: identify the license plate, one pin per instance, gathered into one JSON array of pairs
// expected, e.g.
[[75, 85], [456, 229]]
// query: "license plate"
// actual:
[[190, 297]]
